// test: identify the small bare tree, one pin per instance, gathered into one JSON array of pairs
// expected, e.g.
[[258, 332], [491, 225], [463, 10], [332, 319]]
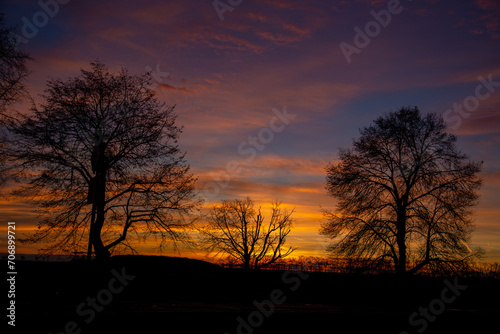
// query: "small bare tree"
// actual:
[[235, 229]]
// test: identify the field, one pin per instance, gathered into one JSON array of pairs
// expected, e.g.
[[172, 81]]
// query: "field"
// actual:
[[139, 294]]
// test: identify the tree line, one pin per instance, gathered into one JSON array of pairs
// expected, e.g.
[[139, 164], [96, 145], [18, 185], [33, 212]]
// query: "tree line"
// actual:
[[99, 159]]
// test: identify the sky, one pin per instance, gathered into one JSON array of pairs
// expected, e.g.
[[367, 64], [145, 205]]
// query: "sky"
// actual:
[[269, 90]]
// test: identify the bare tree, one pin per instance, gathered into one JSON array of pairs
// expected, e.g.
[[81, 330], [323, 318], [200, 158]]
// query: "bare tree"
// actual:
[[235, 229], [13, 72], [102, 159], [404, 193]]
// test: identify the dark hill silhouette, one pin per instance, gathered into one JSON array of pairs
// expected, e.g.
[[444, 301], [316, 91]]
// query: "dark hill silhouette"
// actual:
[[161, 263], [180, 295]]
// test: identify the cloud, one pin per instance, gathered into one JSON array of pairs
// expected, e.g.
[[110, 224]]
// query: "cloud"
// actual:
[[484, 120], [490, 19]]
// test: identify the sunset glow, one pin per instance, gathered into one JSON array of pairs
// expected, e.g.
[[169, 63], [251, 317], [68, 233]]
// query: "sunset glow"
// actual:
[[267, 96]]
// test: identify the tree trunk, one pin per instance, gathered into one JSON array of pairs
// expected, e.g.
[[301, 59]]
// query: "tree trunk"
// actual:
[[246, 262], [91, 233], [401, 241], [99, 167], [101, 252]]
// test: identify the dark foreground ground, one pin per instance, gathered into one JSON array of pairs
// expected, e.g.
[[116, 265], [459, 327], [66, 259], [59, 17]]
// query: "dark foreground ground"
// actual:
[[132, 294]]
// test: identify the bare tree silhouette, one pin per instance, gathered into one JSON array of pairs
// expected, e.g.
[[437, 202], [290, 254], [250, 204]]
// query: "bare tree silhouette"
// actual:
[[13, 73], [404, 193], [235, 229], [103, 161], [13, 70]]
